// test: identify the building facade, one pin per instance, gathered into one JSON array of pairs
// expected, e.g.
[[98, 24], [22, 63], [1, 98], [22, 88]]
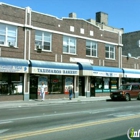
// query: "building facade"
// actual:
[[131, 57], [36, 47]]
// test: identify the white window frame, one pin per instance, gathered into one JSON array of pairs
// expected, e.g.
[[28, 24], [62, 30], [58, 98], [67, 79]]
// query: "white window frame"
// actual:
[[69, 43], [82, 31], [72, 28], [91, 48], [40, 40], [138, 43], [9, 35], [109, 51], [91, 33]]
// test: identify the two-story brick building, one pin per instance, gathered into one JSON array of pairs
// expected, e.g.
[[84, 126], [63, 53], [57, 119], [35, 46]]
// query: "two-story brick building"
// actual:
[[36, 47]]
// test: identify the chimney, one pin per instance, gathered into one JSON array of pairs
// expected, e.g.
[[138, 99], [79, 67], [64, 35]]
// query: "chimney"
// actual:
[[72, 15], [102, 17]]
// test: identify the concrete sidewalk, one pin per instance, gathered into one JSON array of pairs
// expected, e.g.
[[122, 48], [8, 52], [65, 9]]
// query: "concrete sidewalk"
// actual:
[[38, 102]]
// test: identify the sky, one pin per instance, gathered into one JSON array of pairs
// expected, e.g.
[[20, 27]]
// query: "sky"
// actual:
[[121, 13]]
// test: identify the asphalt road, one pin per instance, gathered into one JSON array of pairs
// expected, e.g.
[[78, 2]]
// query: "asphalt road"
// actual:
[[100, 120]]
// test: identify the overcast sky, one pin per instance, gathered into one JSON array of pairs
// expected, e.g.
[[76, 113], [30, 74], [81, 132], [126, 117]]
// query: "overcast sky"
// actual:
[[121, 13]]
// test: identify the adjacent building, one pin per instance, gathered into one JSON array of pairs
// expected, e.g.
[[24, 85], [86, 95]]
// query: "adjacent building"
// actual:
[[131, 57]]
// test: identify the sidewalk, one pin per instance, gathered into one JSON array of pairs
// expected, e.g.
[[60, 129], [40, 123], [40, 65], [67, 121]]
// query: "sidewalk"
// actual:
[[38, 102]]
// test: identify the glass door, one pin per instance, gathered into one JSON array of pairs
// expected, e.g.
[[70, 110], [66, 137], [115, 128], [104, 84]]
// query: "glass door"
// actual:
[[81, 86]]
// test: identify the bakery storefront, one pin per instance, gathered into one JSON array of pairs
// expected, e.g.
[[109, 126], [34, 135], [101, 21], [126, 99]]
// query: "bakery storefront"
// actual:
[[56, 76], [105, 79], [12, 76]]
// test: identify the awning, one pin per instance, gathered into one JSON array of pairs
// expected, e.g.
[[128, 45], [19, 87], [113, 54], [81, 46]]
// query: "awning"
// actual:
[[131, 73], [55, 68], [107, 71], [13, 65], [85, 68]]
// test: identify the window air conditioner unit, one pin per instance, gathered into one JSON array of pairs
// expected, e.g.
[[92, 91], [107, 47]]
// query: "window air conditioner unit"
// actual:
[[11, 44], [1, 42], [39, 47]]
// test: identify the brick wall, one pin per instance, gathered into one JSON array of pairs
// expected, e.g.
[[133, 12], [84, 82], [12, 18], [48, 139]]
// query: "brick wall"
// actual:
[[44, 21], [12, 14], [129, 41]]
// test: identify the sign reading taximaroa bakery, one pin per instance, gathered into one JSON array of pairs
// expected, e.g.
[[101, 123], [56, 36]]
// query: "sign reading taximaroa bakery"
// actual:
[[54, 71]]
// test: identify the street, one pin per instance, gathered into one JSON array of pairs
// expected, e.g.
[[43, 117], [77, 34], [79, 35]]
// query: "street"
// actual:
[[98, 120]]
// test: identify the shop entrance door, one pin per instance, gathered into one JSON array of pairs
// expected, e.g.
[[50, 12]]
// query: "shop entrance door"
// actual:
[[81, 86], [33, 87], [92, 88]]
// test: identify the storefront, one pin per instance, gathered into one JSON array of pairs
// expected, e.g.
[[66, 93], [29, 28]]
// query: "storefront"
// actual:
[[131, 76], [12, 76], [85, 71], [56, 76], [105, 79]]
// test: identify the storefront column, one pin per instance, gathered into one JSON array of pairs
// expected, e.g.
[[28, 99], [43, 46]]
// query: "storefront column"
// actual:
[[87, 85], [26, 87], [76, 87], [120, 81]]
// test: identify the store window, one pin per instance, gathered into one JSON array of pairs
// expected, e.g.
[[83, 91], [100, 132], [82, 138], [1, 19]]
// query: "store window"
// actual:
[[113, 83], [130, 80], [43, 79], [69, 45], [110, 51], [43, 39], [98, 84], [11, 84], [106, 87], [91, 48], [8, 35], [68, 82], [55, 84]]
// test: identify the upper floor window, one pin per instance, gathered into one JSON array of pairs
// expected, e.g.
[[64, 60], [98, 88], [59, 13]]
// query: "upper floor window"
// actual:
[[138, 43], [43, 39], [69, 45], [72, 28], [8, 35], [109, 51], [91, 48]]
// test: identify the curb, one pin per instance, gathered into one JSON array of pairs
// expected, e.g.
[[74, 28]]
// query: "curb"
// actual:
[[38, 102]]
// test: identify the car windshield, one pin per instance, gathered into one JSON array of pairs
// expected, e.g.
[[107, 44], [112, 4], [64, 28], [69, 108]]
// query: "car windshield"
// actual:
[[125, 87]]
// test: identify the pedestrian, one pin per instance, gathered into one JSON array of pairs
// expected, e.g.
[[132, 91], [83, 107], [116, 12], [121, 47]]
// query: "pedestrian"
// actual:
[[70, 91], [42, 91]]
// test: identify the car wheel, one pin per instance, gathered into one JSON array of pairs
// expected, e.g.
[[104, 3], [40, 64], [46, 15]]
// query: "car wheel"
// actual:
[[127, 97], [112, 99], [138, 96]]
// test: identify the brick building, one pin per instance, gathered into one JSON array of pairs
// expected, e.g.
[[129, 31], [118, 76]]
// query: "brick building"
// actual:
[[130, 56], [36, 47]]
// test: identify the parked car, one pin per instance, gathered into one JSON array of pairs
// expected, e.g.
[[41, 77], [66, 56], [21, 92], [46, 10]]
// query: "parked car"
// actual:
[[127, 91]]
